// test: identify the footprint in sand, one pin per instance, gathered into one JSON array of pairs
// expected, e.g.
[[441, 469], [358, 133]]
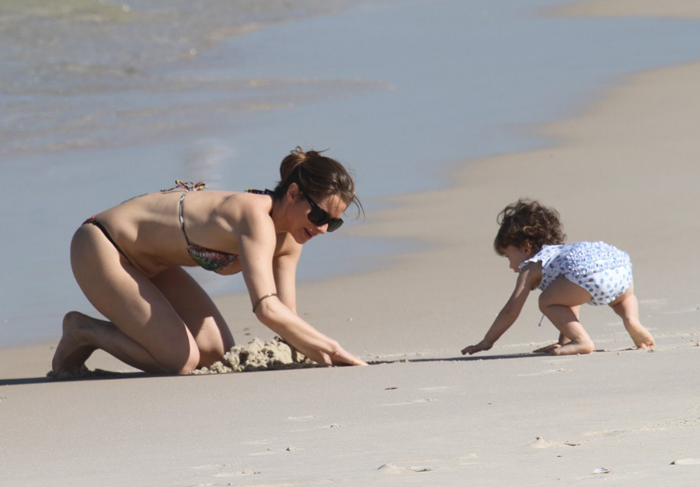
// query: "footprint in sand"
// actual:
[[212, 467], [606, 433], [391, 469], [242, 473], [542, 443], [301, 418], [270, 451], [544, 372], [686, 461], [417, 401]]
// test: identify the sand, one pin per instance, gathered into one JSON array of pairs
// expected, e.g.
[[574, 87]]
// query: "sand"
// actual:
[[677, 9], [257, 355], [625, 171]]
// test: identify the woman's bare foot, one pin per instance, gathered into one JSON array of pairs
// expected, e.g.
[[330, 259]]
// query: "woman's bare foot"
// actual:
[[72, 350]]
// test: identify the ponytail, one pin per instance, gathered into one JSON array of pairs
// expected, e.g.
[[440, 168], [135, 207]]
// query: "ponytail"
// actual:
[[316, 175]]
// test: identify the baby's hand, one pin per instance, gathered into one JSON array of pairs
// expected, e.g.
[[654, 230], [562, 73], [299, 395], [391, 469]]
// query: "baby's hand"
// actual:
[[479, 347]]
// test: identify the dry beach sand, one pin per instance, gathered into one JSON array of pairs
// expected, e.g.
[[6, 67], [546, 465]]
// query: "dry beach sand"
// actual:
[[625, 171]]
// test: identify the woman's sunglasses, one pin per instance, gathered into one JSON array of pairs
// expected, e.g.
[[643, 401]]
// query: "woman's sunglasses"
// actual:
[[319, 217]]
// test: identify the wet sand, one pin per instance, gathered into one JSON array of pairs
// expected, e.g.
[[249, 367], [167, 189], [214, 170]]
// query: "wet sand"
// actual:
[[625, 171]]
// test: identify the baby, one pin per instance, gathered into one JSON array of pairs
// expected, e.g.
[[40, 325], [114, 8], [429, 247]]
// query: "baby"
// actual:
[[569, 275]]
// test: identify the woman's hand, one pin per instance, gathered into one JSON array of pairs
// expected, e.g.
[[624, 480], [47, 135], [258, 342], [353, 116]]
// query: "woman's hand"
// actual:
[[479, 347], [343, 357]]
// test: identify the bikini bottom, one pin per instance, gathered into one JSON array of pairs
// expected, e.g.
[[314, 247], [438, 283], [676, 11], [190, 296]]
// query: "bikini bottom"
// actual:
[[93, 221]]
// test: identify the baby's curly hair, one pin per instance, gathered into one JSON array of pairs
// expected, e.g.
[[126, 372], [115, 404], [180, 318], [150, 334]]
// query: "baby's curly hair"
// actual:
[[528, 225]]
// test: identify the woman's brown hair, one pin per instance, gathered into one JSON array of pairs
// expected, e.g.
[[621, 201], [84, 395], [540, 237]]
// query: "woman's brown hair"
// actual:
[[528, 225], [316, 175]]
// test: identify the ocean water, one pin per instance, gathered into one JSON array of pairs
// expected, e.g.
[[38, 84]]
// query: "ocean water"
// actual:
[[102, 100]]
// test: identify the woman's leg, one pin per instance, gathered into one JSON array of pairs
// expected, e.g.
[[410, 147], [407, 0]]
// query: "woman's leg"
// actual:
[[144, 330], [561, 303], [200, 314], [627, 308]]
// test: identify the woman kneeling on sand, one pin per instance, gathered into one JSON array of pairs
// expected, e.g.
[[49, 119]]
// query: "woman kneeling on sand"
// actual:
[[128, 262]]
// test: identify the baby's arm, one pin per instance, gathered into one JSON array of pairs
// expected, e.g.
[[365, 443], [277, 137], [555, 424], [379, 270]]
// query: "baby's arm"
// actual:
[[510, 311]]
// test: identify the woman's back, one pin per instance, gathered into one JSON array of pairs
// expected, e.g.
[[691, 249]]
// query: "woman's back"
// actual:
[[149, 231]]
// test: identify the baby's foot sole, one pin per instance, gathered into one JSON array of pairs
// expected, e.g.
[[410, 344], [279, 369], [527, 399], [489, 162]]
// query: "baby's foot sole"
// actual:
[[573, 348]]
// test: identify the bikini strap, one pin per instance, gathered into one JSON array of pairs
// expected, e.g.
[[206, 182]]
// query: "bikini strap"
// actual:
[[182, 216], [267, 192], [187, 186], [190, 186], [258, 191]]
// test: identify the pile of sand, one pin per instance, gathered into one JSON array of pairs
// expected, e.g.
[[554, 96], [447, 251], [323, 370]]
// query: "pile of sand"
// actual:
[[258, 355]]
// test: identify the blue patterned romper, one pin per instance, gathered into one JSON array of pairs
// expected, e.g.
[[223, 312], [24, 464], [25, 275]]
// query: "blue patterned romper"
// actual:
[[601, 269]]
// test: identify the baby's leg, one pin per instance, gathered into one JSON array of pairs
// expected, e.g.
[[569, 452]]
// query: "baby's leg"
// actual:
[[561, 302], [562, 341], [627, 307]]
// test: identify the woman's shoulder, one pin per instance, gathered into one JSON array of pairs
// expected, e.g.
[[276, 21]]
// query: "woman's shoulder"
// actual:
[[245, 210], [233, 201]]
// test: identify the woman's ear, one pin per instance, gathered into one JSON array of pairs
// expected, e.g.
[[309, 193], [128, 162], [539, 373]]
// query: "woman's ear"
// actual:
[[292, 193]]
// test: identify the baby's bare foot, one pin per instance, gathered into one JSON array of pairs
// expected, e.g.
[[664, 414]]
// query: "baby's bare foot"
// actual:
[[641, 337], [72, 351], [573, 348], [547, 349]]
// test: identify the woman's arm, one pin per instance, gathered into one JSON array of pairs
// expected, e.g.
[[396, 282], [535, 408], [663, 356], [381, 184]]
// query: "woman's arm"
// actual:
[[302, 336], [510, 312], [284, 268], [266, 274]]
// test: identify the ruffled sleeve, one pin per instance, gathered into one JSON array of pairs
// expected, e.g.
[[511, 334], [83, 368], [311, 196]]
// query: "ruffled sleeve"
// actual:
[[547, 256]]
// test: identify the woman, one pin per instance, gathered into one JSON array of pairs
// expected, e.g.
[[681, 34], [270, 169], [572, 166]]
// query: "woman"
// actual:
[[128, 262]]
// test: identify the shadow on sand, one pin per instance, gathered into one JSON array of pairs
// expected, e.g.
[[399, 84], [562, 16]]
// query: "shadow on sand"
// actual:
[[457, 359], [93, 375], [99, 374]]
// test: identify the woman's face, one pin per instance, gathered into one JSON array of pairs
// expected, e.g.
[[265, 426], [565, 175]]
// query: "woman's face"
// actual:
[[301, 228]]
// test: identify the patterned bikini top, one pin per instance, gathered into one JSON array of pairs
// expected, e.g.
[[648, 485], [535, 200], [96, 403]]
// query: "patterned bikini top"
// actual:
[[209, 259]]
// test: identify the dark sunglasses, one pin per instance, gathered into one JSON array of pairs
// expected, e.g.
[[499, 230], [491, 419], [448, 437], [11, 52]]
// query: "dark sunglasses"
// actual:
[[319, 217]]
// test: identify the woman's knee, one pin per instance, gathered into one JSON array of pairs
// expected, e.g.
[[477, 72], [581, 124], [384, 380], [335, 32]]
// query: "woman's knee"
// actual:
[[183, 362], [189, 366], [183, 369]]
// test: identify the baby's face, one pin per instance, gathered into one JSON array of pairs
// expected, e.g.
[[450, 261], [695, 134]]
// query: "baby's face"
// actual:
[[515, 256]]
